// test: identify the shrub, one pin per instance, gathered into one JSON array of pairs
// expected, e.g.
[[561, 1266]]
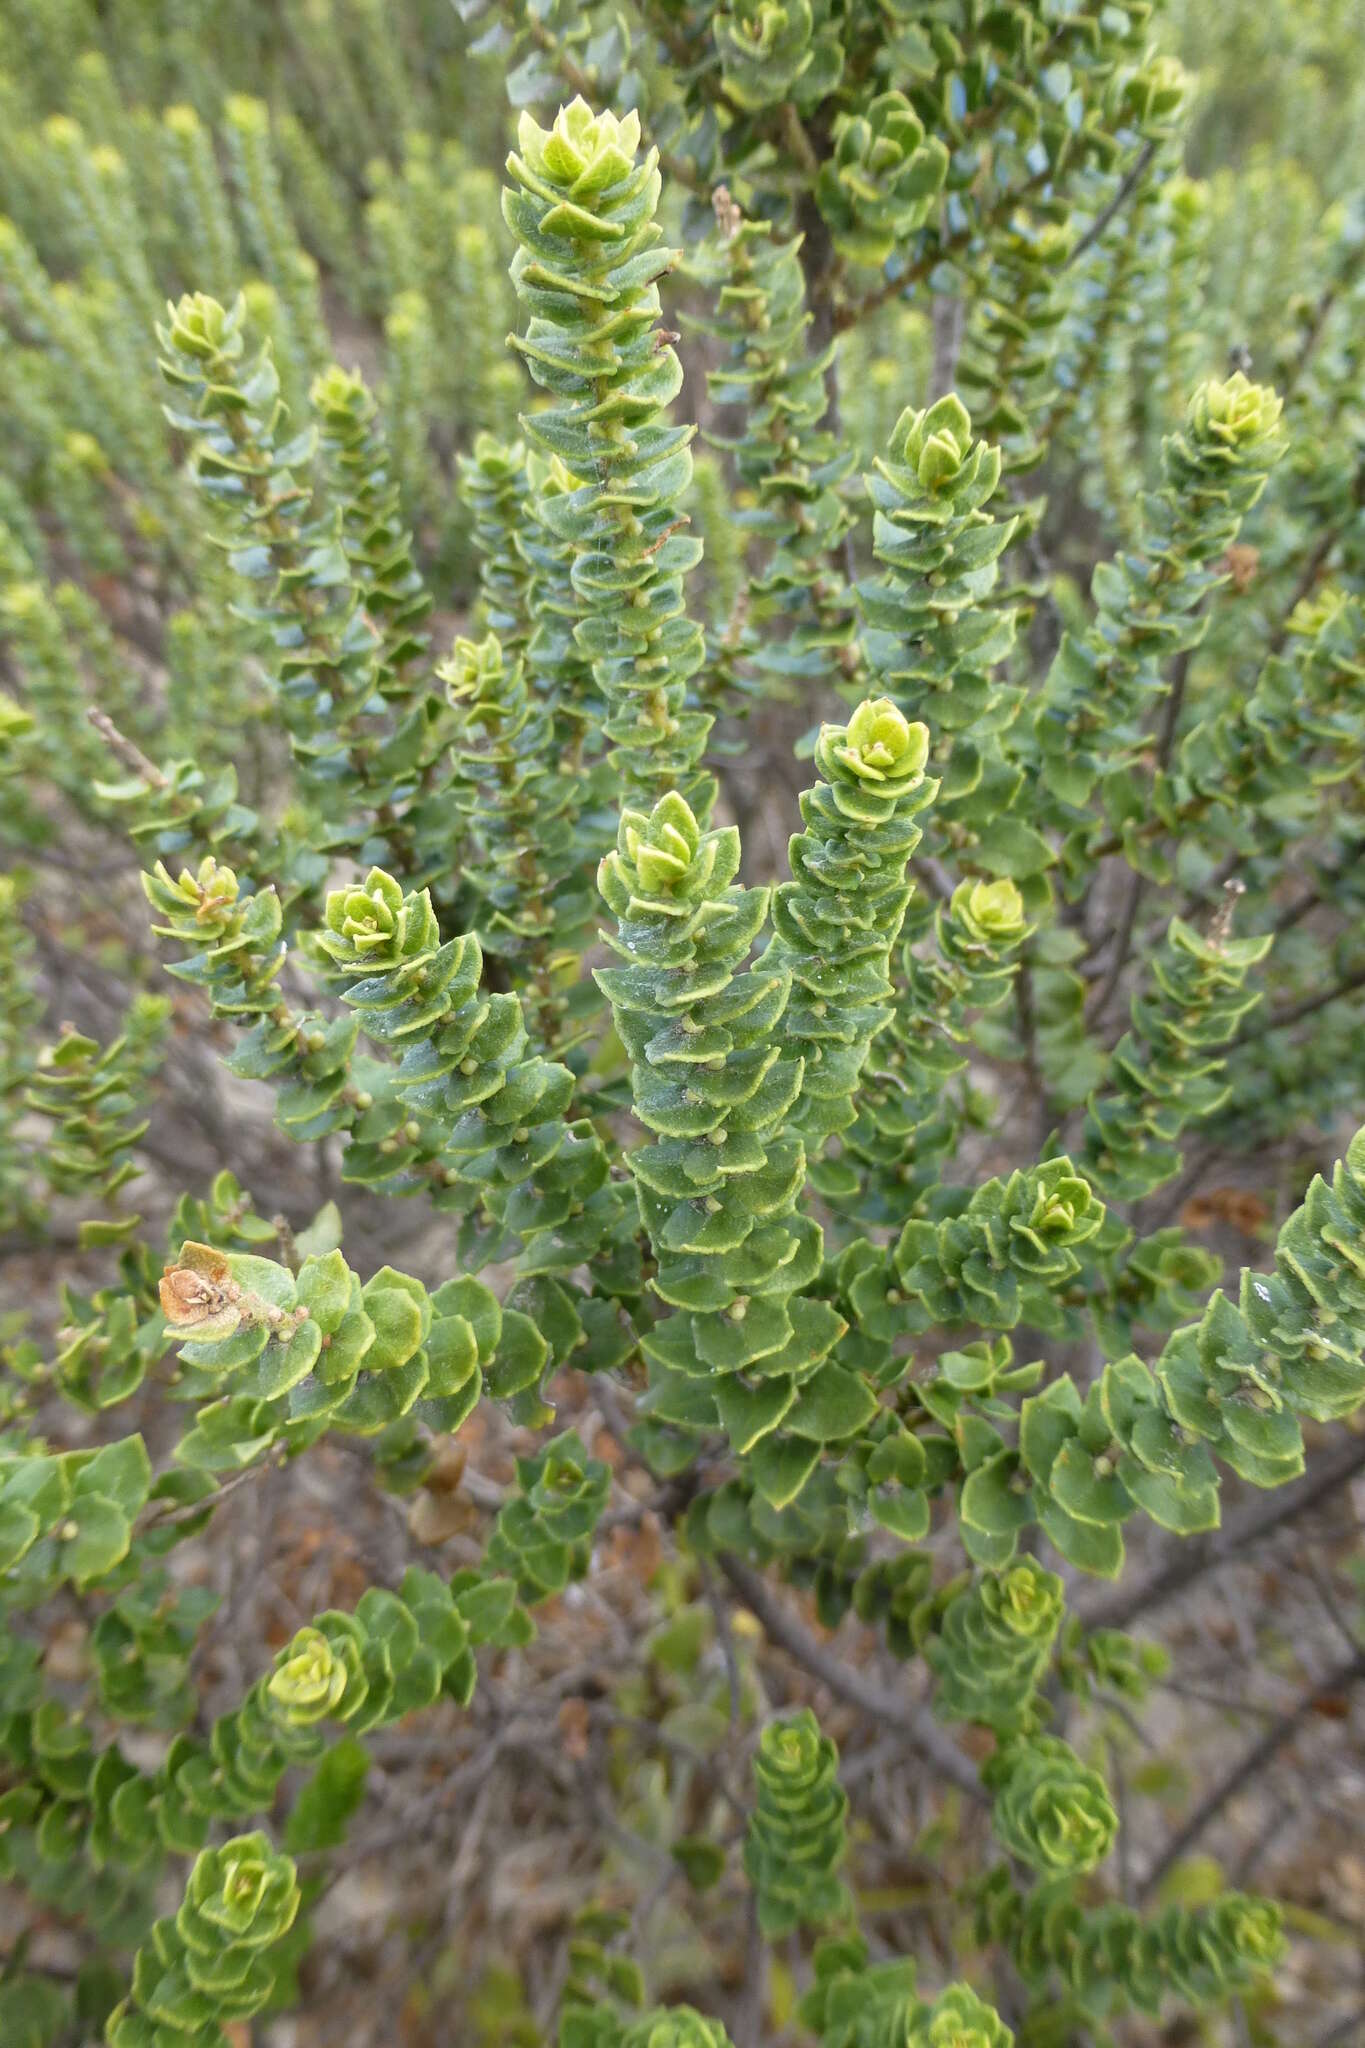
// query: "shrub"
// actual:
[[832, 1228]]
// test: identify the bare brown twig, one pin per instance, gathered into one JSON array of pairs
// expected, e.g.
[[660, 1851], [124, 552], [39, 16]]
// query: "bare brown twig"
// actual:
[[127, 751], [916, 1723], [1248, 1768]]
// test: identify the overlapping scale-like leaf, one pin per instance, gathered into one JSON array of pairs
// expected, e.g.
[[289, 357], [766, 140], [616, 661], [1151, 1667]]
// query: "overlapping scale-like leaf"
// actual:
[[1089, 717], [581, 205], [1168, 1070], [1050, 1811], [993, 1645], [837, 920], [474, 1117], [796, 1842], [795, 620]]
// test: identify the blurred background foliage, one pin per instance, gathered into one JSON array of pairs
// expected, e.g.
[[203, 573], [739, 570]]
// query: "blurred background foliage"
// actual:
[[1277, 127]]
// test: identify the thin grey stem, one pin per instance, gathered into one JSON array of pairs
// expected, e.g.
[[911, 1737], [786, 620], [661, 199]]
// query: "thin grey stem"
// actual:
[[1120, 199], [916, 1723], [1248, 1767]]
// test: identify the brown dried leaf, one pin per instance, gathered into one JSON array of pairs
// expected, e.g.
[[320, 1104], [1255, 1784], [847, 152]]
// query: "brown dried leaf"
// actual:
[[198, 1293], [436, 1517], [605, 1447], [575, 1726], [67, 1656], [1240, 1207], [636, 1550], [1241, 563], [447, 1467]]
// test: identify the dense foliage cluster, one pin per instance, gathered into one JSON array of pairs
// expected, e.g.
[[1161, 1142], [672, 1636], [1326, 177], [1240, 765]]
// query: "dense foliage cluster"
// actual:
[[844, 1161]]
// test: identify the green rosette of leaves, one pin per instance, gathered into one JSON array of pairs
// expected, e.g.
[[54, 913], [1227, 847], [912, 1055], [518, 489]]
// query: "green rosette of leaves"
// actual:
[[939, 631], [376, 925], [675, 2026], [89, 1094], [581, 205], [934, 632], [993, 1645], [1219, 457], [395, 1654], [234, 937], [853, 2000], [1112, 1960], [1273, 754], [1233, 1942], [533, 881], [837, 920], [1013, 335], [855, 2003], [775, 50], [796, 1839], [210, 1964], [1094, 1461], [878, 184], [1004, 1257], [357, 1672], [313, 1676], [1234, 1386], [263, 511], [235, 953], [543, 1536], [507, 788], [959, 2019], [1049, 1810]]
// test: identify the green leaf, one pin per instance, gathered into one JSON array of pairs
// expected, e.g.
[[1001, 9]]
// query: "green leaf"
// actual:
[[703, 1862], [780, 1467], [830, 1406], [324, 1288], [102, 1532], [397, 1320], [322, 1235], [678, 1642], [19, 1530], [319, 1816], [1090, 1546], [748, 1414], [478, 1305], [121, 1472], [992, 1500], [1007, 846], [486, 1607], [521, 1357]]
